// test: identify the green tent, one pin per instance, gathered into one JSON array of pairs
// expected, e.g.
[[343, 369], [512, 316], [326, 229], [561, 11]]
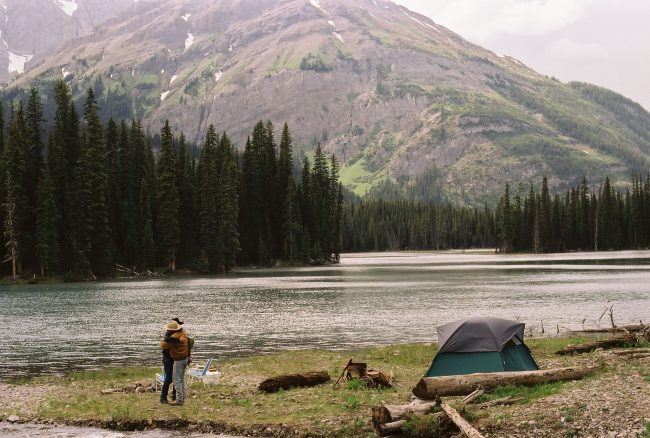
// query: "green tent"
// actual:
[[481, 345]]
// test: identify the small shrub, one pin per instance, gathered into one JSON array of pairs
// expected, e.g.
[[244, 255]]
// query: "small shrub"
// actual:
[[352, 403], [355, 385]]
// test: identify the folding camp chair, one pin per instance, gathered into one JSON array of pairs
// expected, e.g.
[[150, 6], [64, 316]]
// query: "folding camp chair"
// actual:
[[160, 380], [194, 374]]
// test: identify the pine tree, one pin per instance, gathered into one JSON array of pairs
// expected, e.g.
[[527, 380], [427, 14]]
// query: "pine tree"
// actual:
[[10, 228], [229, 204], [210, 244], [89, 212], [33, 165], [284, 193], [62, 158], [167, 229], [15, 160], [47, 239], [504, 218], [114, 193]]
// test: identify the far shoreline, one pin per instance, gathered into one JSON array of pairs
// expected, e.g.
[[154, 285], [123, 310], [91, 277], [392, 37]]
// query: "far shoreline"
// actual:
[[186, 273]]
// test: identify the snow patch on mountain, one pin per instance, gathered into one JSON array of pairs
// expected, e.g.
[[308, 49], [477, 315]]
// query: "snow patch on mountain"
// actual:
[[331, 23], [17, 62], [230, 47], [338, 35], [186, 16], [423, 24], [189, 41], [316, 4], [173, 79], [67, 6], [163, 95], [6, 16], [218, 75], [64, 73]]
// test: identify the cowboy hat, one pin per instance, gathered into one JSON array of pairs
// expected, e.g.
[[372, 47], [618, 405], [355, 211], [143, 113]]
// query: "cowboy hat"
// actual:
[[173, 326]]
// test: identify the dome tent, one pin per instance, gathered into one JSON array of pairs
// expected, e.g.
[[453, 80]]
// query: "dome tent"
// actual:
[[481, 345]]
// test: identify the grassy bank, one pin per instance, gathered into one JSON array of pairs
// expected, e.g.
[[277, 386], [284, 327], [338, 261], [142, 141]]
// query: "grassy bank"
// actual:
[[235, 405]]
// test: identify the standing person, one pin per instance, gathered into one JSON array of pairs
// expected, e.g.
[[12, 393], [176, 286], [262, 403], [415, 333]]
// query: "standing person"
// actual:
[[178, 350], [168, 365]]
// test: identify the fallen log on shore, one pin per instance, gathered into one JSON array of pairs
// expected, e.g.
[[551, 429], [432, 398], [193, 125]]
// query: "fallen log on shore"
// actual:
[[431, 387], [608, 343], [618, 329], [389, 413], [289, 381]]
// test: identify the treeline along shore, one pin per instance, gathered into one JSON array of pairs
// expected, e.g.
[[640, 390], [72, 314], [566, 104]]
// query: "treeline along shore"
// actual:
[[82, 199], [100, 195], [583, 219]]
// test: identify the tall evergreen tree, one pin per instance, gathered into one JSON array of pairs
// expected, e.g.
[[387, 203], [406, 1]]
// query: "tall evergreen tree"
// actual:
[[284, 194], [167, 228], [92, 241], [15, 161], [47, 239]]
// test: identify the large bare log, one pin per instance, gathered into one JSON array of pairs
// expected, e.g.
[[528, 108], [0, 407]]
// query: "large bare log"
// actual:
[[617, 329], [289, 381], [389, 413], [608, 343], [459, 421], [430, 387]]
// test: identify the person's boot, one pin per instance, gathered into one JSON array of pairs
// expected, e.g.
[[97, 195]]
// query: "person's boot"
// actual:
[[164, 401], [176, 403]]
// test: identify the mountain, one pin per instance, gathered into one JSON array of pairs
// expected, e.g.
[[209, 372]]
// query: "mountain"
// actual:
[[405, 103], [32, 29]]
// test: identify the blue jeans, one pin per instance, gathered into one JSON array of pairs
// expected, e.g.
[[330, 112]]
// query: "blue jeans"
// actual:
[[179, 379], [168, 364]]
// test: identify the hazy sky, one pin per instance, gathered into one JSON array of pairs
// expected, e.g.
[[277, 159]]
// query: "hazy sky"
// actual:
[[605, 42]]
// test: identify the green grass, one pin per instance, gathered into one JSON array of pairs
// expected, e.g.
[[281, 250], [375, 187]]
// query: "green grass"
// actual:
[[317, 411], [523, 394]]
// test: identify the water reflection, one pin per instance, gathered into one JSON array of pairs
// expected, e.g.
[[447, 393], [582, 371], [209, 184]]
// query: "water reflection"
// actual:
[[366, 300]]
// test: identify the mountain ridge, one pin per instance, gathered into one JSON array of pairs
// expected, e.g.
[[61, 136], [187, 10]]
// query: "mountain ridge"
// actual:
[[395, 95]]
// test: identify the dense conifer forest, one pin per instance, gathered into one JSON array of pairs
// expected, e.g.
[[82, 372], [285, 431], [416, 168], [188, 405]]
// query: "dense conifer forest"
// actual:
[[87, 197], [583, 219]]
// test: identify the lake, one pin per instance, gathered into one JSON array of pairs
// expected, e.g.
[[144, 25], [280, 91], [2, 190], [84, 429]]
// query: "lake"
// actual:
[[367, 299]]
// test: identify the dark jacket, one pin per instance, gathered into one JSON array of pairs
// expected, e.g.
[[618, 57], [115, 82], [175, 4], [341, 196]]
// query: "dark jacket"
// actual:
[[167, 359]]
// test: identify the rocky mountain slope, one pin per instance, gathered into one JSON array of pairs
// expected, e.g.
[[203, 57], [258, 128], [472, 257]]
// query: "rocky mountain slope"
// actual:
[[33, 29], [399, 98]]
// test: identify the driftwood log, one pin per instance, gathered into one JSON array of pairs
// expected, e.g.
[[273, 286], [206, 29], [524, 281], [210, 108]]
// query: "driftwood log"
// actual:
[[608, 343], [459, 421], [289, 381], [432, 387], [617, 329]]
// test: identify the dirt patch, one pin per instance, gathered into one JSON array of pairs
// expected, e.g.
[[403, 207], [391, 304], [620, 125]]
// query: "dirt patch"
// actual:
[[614, 404]]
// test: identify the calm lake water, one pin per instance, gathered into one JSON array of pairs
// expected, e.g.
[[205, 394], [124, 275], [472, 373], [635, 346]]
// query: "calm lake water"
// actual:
[[368, 299]]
